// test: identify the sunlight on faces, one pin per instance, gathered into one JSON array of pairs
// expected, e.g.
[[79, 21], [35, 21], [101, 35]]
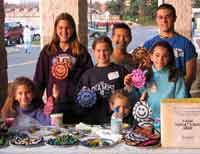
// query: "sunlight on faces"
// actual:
[[121, 38], [102, 54], [24, 96], [64, 30], [160, 57], [122, 104], [165, 20]]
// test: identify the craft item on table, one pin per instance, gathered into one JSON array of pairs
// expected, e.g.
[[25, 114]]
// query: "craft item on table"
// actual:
[[138, 78], [84, 127], [142, 136], [97, 142], [107, 134], [64, 140], [142, 112], [78, 133], [24, 140], [86, 98]]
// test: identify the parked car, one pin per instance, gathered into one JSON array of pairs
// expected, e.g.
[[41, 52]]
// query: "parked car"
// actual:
[[13, 33], [35, 33]]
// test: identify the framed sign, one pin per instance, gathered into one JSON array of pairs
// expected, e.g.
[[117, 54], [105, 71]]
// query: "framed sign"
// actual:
[[180, 123]]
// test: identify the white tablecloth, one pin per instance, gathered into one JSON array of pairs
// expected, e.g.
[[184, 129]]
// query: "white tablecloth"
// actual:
[[117, 149]]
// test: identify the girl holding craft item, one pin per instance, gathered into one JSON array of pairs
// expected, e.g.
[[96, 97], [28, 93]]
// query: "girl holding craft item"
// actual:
[[164, 81], [103, 79]]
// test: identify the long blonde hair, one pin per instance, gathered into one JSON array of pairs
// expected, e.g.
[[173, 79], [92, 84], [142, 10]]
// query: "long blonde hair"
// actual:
[[10, 105], [74, 42]]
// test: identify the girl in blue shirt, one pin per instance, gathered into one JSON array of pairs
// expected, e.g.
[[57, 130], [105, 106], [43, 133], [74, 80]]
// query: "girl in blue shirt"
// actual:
[[164, 80]]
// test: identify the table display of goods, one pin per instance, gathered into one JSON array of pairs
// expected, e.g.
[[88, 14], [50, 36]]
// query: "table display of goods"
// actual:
[[64, 140], [97, 142]]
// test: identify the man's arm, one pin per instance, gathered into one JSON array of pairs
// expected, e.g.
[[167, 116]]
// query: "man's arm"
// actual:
[[191, 66]]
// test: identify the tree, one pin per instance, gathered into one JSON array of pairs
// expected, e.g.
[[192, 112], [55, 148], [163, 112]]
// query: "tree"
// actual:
[[196, 3], [141, 5], [113, 6], [116, 7], [136, 9]]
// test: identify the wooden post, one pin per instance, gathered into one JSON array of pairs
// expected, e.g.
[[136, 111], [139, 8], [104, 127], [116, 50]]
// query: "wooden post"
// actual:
[[3, 58]]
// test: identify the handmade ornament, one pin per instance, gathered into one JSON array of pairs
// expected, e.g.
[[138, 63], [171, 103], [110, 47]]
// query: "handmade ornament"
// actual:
[[86, 98], [142, 111], [138, 78], [142, 136]]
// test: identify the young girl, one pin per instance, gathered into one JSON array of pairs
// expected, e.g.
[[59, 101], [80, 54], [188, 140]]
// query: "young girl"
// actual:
[[22, 99], [165, 80], [62, 62], [104, 78], [120, 99]]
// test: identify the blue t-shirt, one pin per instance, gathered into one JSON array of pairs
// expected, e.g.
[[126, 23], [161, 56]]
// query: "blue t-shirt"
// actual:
[[184, 50]]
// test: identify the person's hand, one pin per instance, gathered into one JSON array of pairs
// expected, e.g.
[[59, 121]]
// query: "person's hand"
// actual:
[[128, 81], [144, 96], [55, 91], [49, 106]]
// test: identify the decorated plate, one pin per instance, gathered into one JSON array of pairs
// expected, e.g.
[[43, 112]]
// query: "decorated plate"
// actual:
[[142, 137], [64, 140], [25, 141], [96, 142]]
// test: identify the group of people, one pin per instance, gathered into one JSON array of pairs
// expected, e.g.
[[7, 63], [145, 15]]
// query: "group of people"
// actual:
[[65, 70]]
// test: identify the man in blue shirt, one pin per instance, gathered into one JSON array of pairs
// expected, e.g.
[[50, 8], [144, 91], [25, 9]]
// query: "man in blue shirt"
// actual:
[[184, 50]]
